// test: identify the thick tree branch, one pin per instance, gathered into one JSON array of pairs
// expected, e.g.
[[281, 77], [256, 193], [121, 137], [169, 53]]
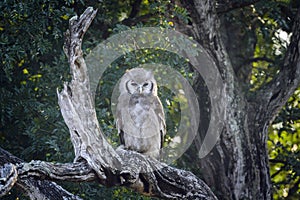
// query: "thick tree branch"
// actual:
[[170, 183], [276, 93], [77, 104], [35, 187], [73, 172], [205, 29]]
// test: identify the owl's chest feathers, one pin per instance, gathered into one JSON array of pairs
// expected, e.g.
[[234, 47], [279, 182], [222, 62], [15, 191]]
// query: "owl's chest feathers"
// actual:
[[140, 107]]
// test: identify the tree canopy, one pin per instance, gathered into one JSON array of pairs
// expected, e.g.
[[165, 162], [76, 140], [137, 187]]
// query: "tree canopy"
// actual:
[[33, 66]]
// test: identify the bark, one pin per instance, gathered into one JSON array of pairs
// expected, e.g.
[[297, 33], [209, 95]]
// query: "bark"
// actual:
[[238, 166], [170, 183], [34, 187], [95, 159], [239, 42]]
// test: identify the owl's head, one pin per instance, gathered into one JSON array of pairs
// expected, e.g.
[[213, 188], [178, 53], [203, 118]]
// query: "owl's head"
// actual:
[[138, 81]]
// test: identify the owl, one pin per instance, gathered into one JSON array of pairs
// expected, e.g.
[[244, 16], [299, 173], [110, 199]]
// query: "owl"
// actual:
[[140, 118]]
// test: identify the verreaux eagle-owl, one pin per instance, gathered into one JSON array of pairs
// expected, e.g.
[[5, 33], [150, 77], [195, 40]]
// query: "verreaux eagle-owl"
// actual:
[[140, 118]]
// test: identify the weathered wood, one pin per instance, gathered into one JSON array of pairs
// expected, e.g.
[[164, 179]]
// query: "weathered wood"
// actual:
[[34, 187], [9, 175], [77, 103]]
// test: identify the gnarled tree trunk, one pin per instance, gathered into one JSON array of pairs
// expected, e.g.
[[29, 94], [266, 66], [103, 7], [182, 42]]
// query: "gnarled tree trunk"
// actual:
[[238, 168]]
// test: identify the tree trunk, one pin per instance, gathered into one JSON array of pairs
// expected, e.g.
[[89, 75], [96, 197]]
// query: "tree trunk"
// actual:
[[237, 167]]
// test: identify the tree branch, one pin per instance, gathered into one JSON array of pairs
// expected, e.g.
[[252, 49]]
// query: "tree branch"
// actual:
[[169, 182], [73, 172], [33, 186], [275, 94]]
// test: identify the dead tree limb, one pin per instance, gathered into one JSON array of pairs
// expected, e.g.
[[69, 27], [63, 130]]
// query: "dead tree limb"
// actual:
[[36, 187]]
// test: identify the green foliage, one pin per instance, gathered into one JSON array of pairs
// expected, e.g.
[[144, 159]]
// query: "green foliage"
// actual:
[[284, 150], [31, 38], [273, 30]]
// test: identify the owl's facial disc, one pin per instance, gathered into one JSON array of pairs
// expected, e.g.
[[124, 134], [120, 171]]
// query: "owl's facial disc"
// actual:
[[147, 87], [132, 87], [139, 88], [134, 84]]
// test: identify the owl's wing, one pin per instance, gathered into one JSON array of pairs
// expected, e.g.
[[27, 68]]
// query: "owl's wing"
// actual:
[[159, 110], [119, 120], [119, 128]]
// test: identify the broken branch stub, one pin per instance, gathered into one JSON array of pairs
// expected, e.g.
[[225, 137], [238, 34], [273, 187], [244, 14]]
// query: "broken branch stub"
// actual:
[[77, 104]]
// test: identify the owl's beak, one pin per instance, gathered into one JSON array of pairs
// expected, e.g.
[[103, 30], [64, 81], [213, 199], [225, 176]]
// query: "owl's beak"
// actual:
[[140, 89]]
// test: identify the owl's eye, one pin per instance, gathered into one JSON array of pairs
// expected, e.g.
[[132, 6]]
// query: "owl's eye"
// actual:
[[145, 84], [133, 84]]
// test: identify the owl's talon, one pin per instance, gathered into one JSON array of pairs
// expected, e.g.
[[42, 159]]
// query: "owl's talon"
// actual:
[[121, 147]]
